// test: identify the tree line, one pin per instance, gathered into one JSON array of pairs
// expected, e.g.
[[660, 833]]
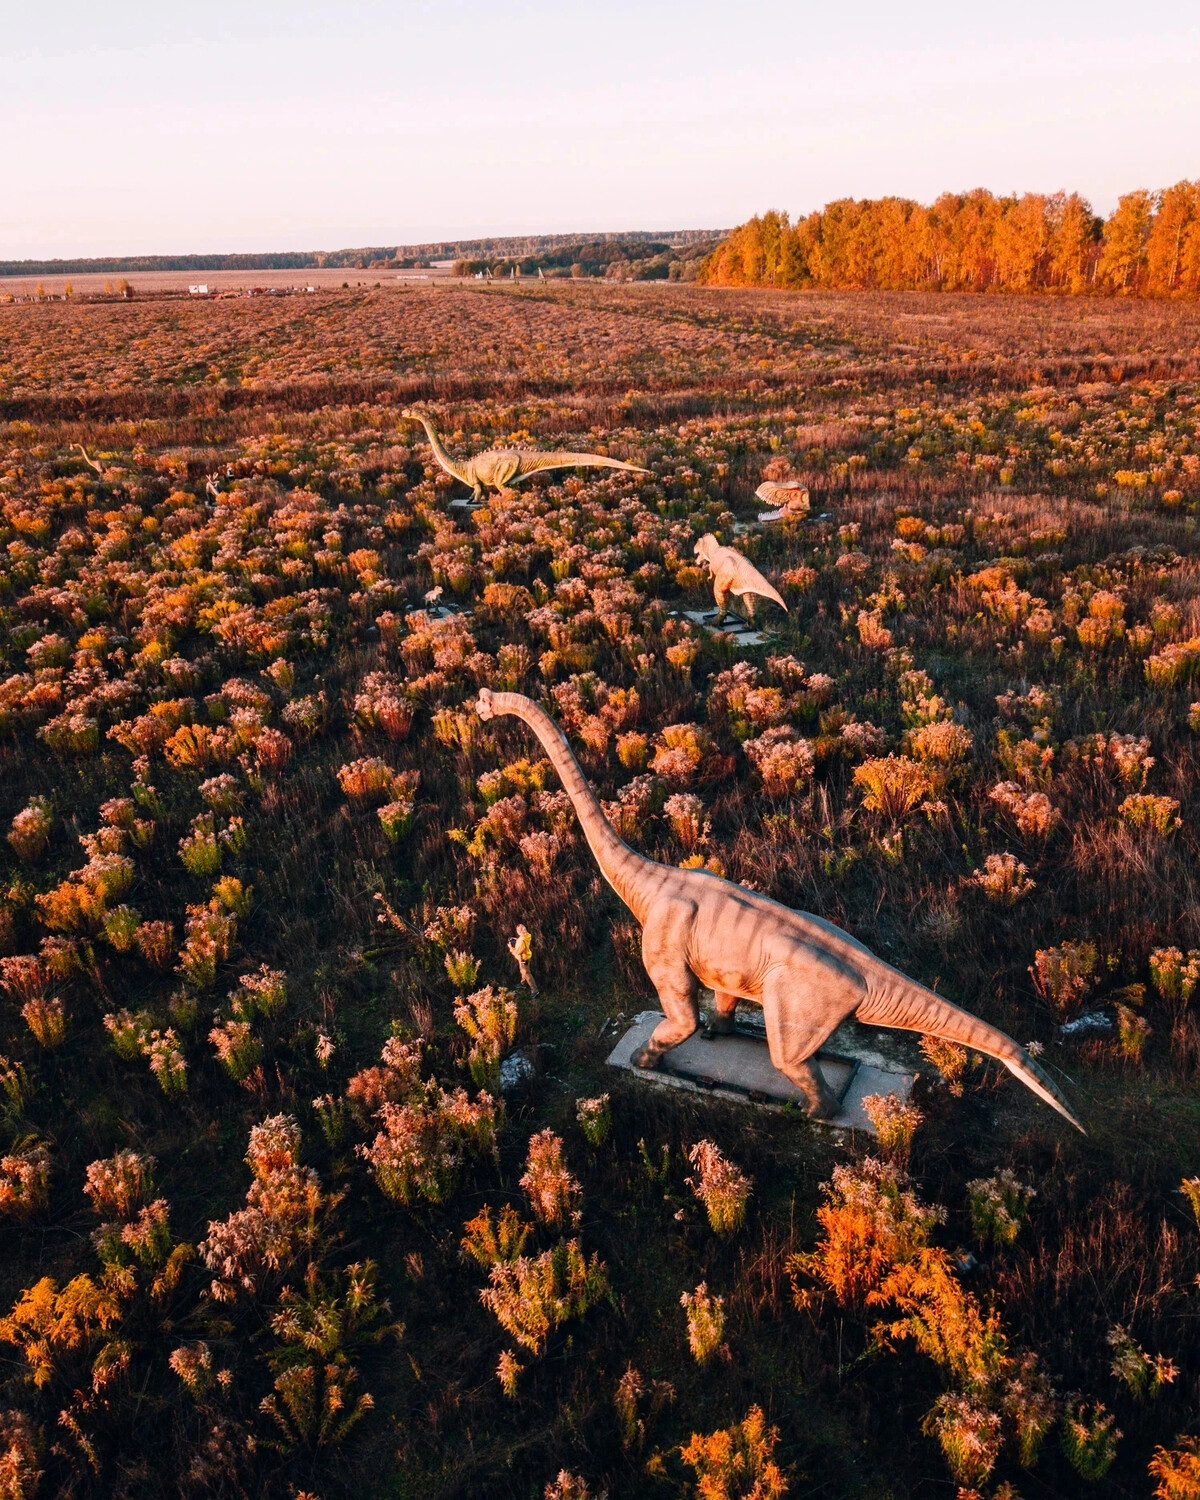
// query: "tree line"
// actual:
[[511, 249], [1149, 246]]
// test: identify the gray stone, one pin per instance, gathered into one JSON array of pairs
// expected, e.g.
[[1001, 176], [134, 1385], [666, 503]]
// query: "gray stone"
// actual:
[[1094, 1020], [515, 1070]]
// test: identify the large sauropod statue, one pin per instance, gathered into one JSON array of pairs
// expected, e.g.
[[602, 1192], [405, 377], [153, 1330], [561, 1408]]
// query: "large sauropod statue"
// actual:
[[807, 975], [733, 574], [501, 468]]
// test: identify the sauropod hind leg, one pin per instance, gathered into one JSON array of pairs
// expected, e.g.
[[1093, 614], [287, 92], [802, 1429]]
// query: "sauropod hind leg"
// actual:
[[663, 941], [798, 1021], [720, 1019]]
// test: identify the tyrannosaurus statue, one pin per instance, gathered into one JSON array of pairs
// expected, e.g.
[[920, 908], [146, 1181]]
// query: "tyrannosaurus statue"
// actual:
[[501, 468], [733, 574], [807, 975]]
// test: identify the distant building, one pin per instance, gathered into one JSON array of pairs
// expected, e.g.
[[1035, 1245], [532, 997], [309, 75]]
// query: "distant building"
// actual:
[[199, 290]]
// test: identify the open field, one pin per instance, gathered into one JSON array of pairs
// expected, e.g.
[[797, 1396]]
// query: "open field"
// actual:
[[264, 864], [148, 283]]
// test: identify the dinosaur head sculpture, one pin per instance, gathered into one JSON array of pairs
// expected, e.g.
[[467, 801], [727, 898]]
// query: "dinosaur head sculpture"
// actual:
[[706, 548], [792, 498], [483, 704]]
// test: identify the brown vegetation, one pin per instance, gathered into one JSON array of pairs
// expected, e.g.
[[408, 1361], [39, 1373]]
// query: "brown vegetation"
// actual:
[[312, 1179]]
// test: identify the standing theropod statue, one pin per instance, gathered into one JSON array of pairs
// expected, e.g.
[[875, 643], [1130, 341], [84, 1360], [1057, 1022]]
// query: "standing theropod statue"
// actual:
[[807, 975], [734, 574], [501, 468]]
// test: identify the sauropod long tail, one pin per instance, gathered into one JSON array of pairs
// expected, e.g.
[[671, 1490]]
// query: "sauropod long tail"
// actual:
[[908, 1006], [534, 463]]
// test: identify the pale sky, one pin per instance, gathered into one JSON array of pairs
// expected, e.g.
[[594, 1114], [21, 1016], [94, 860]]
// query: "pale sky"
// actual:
[[159, 127]]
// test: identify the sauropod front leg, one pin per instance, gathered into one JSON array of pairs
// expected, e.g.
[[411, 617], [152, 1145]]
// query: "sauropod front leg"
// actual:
[[798, 1021], [664, 940], [720, 1018]]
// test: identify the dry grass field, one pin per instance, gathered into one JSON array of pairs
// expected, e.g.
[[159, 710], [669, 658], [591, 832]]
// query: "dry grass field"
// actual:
[[269, 1226]]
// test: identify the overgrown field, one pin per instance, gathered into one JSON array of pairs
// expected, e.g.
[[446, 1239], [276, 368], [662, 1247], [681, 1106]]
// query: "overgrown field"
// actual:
[[269, 1224]]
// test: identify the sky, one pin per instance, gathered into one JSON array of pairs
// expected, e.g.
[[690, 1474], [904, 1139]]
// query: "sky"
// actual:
[[253, 125]]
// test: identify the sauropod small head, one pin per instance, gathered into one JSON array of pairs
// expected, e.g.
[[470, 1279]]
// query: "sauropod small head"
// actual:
[[411, 414], [483, 704], [706, 548]]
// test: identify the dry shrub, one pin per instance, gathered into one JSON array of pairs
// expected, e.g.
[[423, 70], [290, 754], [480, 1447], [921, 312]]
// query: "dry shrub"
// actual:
[[998, 1206], [20, 1457], [1061, 975], [705, 1322], [720, 1186], [488, 1242], [782, 758], [25, 1180], [120, 1184], [489, 1018], [895, 1123], [951, 1061], [1177, 1470], [552, 1191], [532, 1297], [870, 1221], [423, 1142], [568, 1486], [284, 1206], [968, 1433], [892, 785], [736, 1463], [30, 831], [1033, 812], [1004, 879], [1089, 1437]]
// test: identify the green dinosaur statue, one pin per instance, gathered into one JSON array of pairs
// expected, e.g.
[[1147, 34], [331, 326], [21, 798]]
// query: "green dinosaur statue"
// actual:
[[501, 468]]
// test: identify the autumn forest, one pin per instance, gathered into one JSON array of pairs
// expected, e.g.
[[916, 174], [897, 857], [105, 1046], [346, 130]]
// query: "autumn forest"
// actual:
[[1149, 246]]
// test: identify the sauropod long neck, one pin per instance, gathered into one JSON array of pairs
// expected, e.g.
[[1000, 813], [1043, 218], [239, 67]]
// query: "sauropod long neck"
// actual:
[[624, 869], [440, 453]]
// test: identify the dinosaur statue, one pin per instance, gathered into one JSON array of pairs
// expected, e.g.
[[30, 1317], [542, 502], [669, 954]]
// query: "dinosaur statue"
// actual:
[[791, 500], [733, 574], [807, 975], [501, 468]]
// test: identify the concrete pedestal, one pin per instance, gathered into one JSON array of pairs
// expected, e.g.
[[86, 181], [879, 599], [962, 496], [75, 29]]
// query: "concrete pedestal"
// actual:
[[734, 629], [739, 1068]]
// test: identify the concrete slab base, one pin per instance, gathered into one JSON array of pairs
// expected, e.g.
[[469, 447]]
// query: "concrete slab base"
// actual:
[[734, 629], [739, 1068], [441, 612]]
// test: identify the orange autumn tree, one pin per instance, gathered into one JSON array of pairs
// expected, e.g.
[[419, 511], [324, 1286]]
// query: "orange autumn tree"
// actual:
[[976, 241]]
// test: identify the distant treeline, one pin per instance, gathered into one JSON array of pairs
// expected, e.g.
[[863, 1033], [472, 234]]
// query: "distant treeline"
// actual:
[[518, 246], [1149, 246], [385, 255], [625, 259], [283, 260]]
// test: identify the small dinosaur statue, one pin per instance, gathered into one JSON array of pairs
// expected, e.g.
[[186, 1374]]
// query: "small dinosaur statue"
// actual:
[[501, 468], [791, 500], [733, 574], [807, 975], [91, 462]]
